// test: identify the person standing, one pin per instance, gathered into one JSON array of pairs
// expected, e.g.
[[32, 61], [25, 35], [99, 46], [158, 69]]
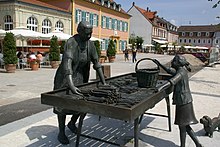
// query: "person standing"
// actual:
[[20, 57], [126, 55], [182, 98], [79, 52], [134, 54]]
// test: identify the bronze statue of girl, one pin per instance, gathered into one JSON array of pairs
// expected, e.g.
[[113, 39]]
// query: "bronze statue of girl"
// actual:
[[182, 98]]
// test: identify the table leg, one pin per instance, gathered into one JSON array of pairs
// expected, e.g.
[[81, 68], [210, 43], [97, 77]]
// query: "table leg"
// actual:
[[168, 112], [136, 131], [82, 116]]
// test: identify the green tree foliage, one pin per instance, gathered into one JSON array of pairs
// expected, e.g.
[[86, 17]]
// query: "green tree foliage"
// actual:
[[216, 4], [139, 42], [54, 49], [9, 49], [132, 41], [62, 47], [97, 46], [111, 51]]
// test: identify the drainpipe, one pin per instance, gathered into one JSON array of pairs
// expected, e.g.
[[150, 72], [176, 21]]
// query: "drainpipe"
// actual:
[[73, 17]]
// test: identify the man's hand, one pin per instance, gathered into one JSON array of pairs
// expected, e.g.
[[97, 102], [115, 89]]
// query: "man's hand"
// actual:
[[75, 90]]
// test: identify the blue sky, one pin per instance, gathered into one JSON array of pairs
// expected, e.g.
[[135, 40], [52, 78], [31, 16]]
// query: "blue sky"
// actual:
[[179, 12]]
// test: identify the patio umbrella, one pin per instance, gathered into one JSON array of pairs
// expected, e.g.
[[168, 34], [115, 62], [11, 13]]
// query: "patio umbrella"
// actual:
[[24, 33], [2, 33], [60, 35]]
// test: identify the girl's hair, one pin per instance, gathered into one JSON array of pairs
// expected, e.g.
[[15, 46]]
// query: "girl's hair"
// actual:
[[182, 62]]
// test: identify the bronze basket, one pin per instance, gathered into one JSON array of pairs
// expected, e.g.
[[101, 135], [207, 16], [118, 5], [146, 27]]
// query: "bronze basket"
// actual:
[[147, 78]]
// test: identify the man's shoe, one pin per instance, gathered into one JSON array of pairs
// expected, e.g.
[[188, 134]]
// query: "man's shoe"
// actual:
[[63, 139], [72, 127]]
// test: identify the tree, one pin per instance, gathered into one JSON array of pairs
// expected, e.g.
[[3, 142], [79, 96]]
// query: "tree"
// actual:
[[216, 4], [139, 42], [54, 49], [62, 47], [9, 49], [111, 51], [97, 46]]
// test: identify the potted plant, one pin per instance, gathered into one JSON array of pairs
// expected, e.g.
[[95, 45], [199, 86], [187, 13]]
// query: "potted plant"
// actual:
[[34, 63], [111, 51], [9, 53], [54, 55], [98, 49]]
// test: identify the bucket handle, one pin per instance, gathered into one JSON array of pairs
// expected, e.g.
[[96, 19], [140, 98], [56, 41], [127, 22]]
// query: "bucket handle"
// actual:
[[136, 66]]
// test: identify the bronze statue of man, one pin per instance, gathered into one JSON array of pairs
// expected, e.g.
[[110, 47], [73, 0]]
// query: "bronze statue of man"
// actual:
[[182, 98], [74, 69]]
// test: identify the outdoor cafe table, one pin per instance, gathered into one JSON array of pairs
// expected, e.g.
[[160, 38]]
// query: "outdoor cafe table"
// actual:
[[146, 98]]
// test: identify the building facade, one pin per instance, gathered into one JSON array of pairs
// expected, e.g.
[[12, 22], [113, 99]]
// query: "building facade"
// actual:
[[206, 35], [147, 24], [109, 20]]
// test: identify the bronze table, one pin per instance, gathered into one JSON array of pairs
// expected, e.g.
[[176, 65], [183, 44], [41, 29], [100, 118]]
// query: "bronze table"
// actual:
[[131, 106]]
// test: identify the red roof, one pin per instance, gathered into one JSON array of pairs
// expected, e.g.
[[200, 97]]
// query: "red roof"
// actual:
[[43, 4]]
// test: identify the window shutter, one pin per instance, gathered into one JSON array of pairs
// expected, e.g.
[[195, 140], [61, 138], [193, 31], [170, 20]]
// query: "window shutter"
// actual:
[[83, 16], [102, 21], [91, 19], [76, 16], [113, 24], [107, 22]]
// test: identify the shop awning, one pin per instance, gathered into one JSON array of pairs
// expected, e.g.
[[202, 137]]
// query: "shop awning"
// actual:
[[160, 41]]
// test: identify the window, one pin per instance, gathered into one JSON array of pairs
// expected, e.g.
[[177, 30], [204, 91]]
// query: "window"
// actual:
[[110, 23], [180, 40], [79, 16], [191, 34], [46, 26], [183, 33], [8, 23], [209, 41], [207, 34], [198, 40], [103, 22], [87, 16], [120, 26], [204, 41], [95, 20], [216, 41], [199, 34], [59, 26], [32, 23], [189, 40], [184, 40]]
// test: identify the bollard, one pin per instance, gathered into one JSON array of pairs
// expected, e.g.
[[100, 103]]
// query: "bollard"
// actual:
[[106, 71]]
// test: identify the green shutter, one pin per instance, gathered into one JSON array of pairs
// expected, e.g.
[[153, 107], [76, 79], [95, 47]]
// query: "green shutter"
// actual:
[[107, 22], [113, 24], [83, 16], [91, 19], [102, 21], [76, 16]]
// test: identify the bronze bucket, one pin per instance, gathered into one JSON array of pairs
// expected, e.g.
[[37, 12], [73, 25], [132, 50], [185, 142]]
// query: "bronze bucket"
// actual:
[[147, 78]]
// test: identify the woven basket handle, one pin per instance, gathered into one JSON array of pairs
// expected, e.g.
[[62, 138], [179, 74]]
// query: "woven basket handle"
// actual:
[[136, 66]]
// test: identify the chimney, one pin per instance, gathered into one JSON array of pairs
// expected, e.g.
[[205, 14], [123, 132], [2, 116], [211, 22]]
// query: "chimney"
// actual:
[[147, 9], [133, 3]]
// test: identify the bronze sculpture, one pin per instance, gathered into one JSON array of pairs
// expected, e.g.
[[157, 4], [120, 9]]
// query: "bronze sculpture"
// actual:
[[182, 98], [210, 124], [74, 69]]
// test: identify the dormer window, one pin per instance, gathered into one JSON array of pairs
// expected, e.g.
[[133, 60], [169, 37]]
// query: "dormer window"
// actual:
[[199, 34], [207, 34], [114, 6], [102, 2], [108, 4], [119, 7], [191, 34], [183, 33]]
